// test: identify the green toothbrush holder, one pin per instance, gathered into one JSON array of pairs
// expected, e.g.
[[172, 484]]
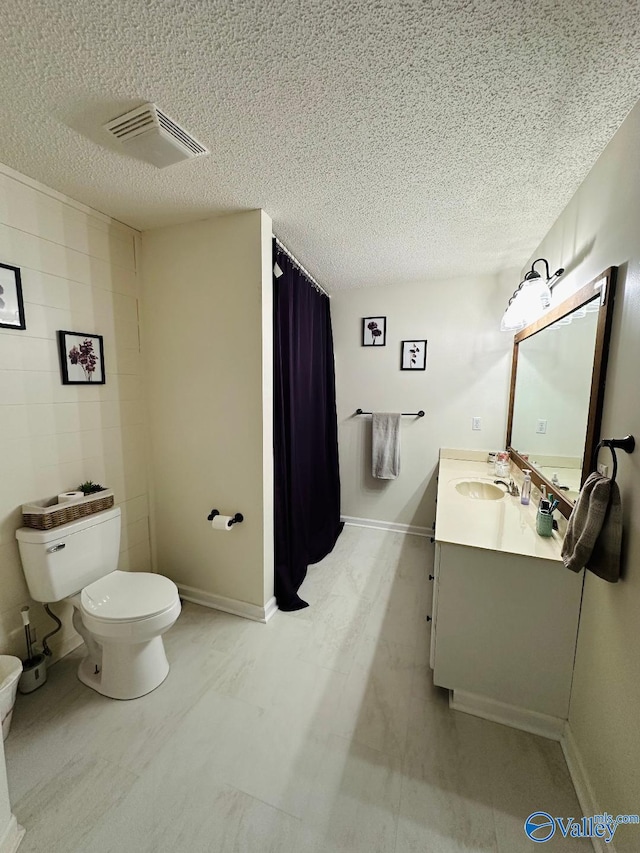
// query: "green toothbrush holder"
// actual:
[[544, 523]]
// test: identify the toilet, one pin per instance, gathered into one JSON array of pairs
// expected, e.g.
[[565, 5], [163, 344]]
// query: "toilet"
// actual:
[[121, 616]]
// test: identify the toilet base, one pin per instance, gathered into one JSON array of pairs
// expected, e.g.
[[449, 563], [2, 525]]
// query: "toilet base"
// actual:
[[127, 671]]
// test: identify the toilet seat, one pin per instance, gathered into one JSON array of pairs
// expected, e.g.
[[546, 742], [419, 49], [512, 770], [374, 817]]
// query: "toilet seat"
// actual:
[[128, 597]]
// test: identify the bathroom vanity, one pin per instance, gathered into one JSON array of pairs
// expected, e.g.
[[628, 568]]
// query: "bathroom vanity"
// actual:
[[505, 610]]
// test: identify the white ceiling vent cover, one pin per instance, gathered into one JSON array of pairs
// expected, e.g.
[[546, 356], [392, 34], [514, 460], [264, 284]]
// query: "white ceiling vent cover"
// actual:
[[151, 135]]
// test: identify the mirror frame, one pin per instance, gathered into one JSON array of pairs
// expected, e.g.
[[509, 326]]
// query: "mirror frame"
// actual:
[[604, 284]]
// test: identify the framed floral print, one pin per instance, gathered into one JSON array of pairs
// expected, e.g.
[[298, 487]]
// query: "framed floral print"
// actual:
[[413, 355], [81, 358], [374, 331]]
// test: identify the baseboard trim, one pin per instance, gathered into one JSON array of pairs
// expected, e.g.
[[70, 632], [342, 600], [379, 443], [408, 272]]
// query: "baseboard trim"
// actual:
[[584, 789], [229, 605], [65, 648], [508, 715], [12, 837], [270, 608], [411, 529]]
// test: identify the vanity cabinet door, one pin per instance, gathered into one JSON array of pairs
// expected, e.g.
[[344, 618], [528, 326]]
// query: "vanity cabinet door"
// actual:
[[434, 605], [506, 628]]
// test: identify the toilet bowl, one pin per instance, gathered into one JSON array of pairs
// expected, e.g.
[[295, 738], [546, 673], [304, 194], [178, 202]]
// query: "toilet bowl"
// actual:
[[121, 616]]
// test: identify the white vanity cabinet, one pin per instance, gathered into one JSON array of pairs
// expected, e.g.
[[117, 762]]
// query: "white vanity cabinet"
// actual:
[[504, 624]]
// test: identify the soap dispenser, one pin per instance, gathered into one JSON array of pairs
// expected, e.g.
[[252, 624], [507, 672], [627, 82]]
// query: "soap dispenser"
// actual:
[[525, 497]]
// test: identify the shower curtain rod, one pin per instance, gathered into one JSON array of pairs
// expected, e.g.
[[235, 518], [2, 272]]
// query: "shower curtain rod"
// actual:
[[305, 273]]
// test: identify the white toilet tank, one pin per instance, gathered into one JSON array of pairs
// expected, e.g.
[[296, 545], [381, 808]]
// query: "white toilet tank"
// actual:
[[58, 563]]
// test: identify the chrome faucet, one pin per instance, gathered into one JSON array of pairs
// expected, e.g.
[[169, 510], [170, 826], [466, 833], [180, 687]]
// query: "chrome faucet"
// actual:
[[512, 488]]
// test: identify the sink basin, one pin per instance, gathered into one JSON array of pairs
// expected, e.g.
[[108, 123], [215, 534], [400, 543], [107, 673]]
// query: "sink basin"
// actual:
[[479, 490]]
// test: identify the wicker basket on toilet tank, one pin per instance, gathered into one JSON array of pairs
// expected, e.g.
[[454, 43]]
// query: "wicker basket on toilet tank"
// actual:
[[43, 515]]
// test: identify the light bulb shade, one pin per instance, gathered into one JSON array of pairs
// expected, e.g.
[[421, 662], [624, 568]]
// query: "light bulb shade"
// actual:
[[544, 294], [531, 298], [513, 319], [531, 301]]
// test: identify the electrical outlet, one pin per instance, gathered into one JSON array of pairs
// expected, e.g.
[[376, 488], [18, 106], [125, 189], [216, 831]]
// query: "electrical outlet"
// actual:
[[476, 423], [541, 426], [603, 469]]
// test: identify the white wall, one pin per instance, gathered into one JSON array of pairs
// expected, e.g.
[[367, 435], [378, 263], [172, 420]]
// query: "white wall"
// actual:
[[78, 273], [600, 227], [208, 349], [468, 361]]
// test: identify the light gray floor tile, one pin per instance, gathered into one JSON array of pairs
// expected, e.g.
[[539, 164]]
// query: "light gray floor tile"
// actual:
[[212, 817], [127, 733], [529, 774], [374, 709], [446, 803], [338, 623], [61, 810], [278, 758], [435, 818], [396, 615], [354, 800]]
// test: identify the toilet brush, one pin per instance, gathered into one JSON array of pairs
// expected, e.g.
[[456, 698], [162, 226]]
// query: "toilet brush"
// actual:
[[34, 668], [24, 612]]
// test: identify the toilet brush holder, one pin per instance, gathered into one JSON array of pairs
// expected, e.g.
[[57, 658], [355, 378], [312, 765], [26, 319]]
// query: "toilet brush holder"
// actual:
[[34, 674]]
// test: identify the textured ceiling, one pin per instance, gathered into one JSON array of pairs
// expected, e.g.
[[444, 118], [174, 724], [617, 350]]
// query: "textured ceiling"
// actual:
[[390, 141]]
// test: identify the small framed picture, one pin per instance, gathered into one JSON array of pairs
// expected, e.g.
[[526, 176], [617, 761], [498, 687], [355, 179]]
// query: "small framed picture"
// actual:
[[11, 304], [374, 331], [413, 355], [81, 358]]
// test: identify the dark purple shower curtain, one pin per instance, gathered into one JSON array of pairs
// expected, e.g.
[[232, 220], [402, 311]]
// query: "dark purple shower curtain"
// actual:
[[307, 477]]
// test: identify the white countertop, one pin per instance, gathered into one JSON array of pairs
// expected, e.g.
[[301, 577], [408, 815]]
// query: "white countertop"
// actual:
[[495, 525]]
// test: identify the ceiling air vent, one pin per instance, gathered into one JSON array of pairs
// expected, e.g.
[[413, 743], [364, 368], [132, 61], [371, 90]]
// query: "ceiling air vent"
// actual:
[[151, 135]]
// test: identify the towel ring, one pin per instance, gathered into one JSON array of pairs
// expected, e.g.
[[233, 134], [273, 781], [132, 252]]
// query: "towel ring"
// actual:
[[627, 444]]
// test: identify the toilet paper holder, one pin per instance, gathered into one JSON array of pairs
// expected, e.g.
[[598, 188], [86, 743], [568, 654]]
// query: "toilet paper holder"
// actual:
[[237, 518]]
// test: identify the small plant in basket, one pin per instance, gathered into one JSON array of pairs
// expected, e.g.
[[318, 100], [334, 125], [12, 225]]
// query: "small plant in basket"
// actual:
[[90, 488]]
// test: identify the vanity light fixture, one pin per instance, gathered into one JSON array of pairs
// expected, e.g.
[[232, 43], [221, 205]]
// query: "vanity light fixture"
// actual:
[[533, 292]]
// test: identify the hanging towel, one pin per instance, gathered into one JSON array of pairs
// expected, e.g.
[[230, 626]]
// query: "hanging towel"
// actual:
[[594, 532], [385, 457]]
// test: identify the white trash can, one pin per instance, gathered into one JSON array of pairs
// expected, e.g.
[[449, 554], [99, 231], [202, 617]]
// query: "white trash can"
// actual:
[[10, 671]]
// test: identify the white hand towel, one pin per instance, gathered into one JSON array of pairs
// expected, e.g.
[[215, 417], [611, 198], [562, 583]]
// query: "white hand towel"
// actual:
[[385, 457]]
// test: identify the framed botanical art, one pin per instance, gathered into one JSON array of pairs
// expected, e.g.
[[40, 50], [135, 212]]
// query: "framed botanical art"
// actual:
[[81, 358], [11, 304], [413, 355], [374, 331]]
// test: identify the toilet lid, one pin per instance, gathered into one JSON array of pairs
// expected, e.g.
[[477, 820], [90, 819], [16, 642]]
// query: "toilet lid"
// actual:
[[125, 596]]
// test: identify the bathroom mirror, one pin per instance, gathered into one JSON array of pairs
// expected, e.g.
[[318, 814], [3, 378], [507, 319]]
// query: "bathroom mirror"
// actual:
[[557, 390]]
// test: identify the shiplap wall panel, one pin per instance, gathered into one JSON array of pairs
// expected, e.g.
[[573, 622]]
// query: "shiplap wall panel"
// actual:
[[78, 272]]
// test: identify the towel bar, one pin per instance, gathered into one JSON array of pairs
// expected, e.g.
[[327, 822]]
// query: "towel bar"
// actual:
[[419, 414], [627, 444]]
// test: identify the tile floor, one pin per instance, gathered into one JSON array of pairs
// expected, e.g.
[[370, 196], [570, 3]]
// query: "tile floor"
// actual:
[[319, 732]]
